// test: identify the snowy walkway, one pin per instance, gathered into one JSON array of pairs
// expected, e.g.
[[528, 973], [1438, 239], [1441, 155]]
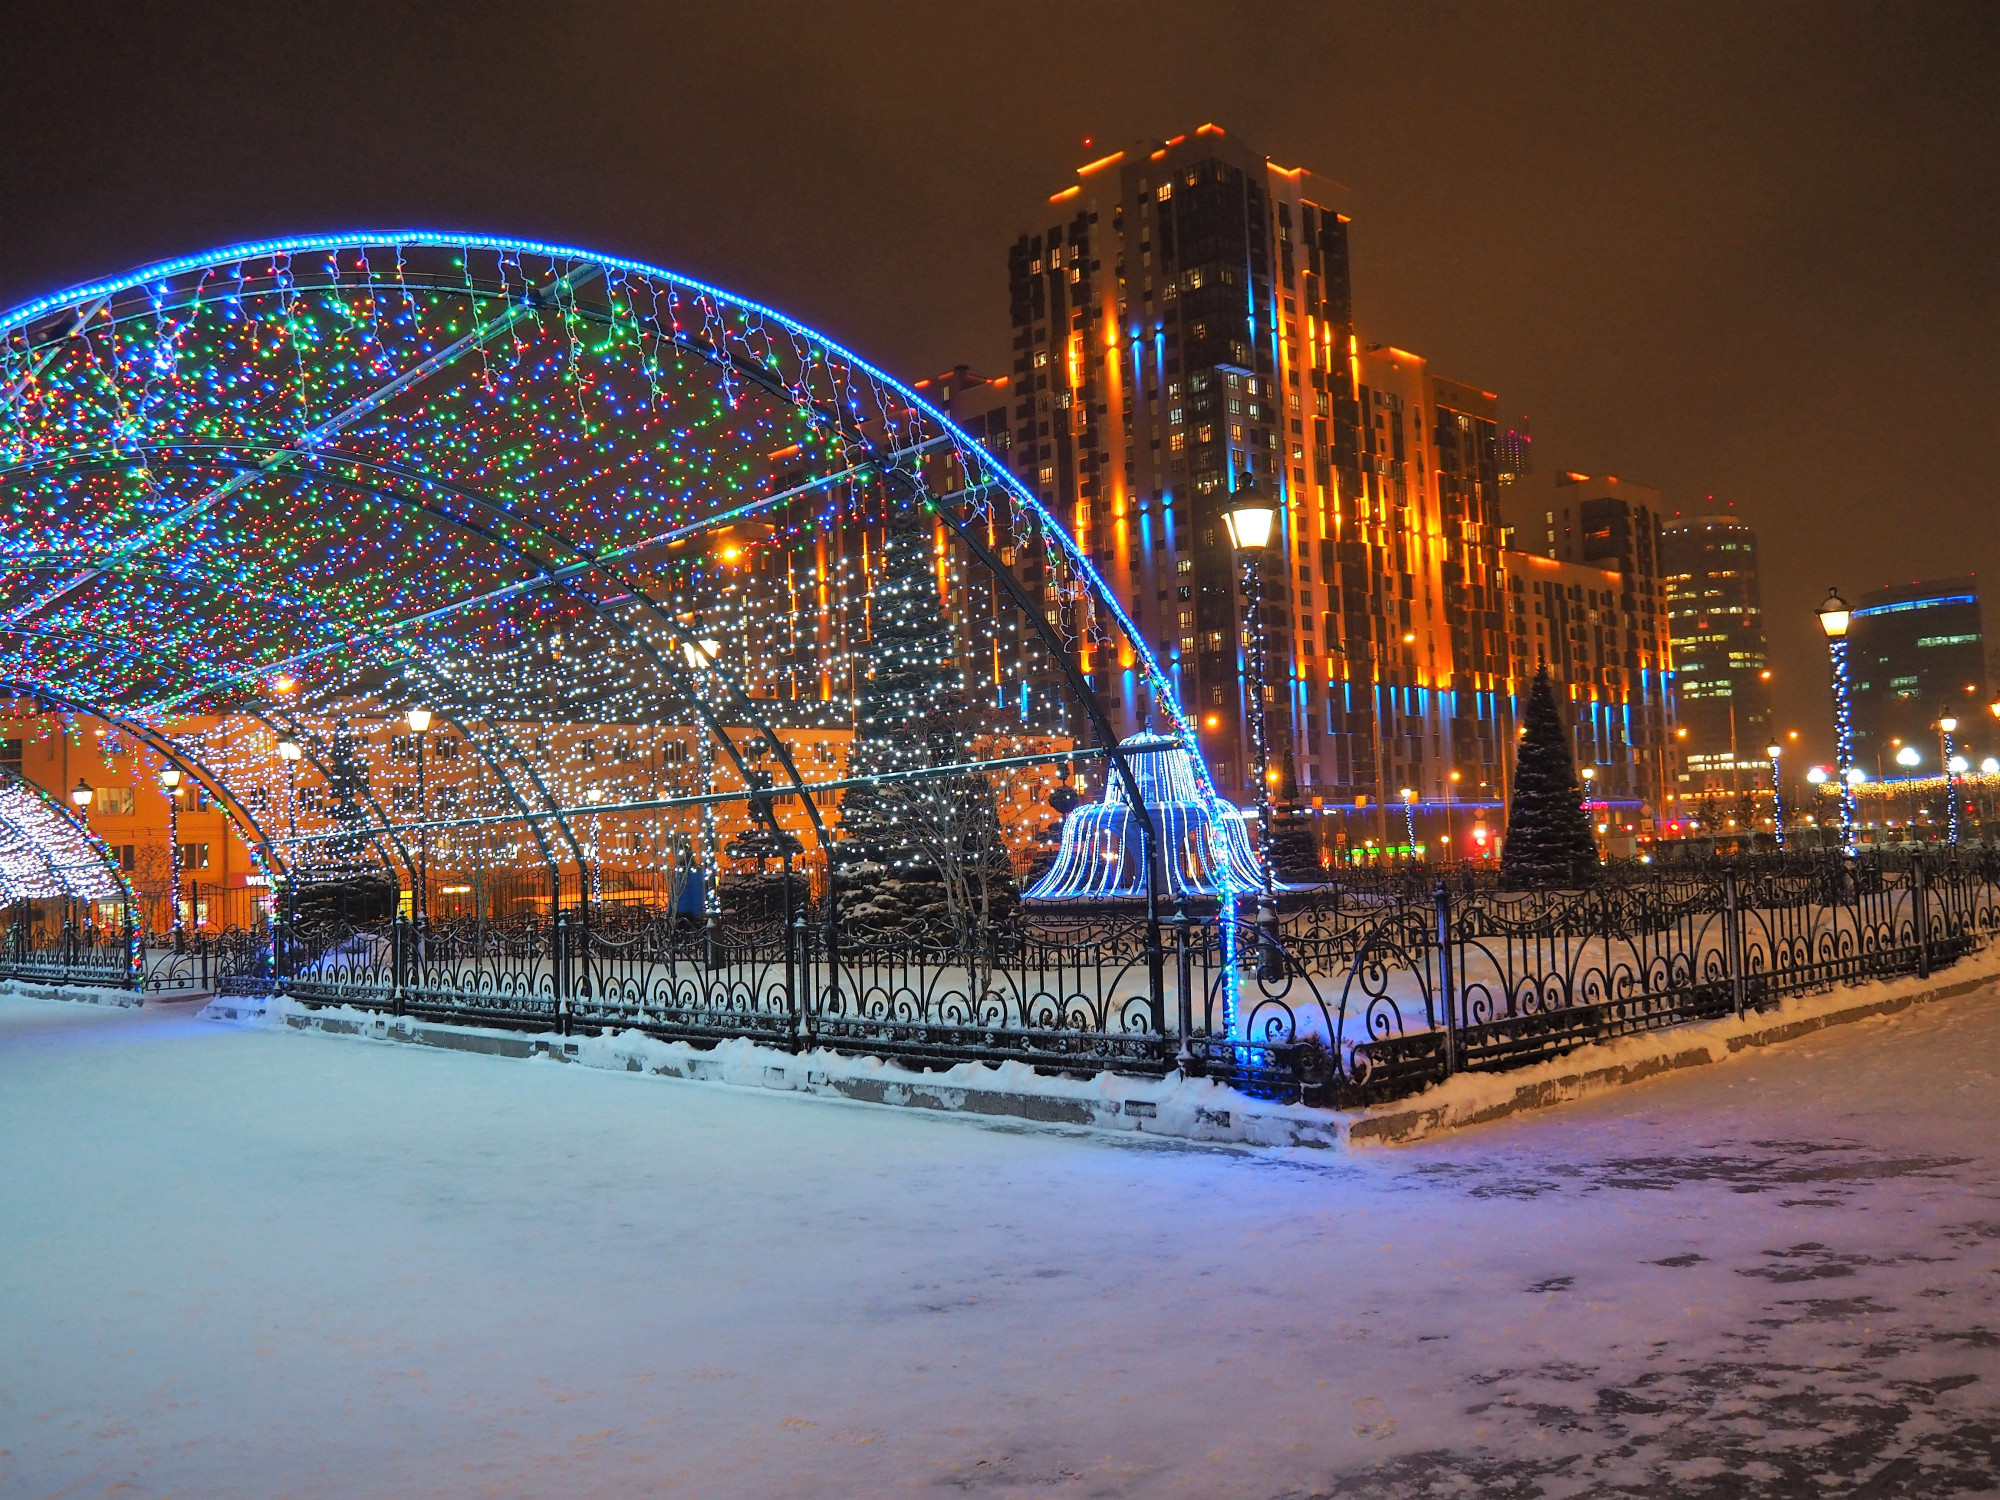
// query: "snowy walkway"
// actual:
[[239, 1263]]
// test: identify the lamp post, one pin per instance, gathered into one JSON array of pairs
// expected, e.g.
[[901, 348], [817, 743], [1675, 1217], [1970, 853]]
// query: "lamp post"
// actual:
[[80, 797], [1250, 518], [1833, 618], [1774, 750], [1909, 758], [701, 655], [1948, 758], [1590, 806], [419, 720], [1410, 821], [291, 752], [1450, 848], [170, 783], [1816, 779]]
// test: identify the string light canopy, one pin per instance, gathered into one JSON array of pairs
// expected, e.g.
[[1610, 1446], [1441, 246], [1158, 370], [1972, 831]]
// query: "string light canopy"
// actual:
[[46, 853], [603, 528]]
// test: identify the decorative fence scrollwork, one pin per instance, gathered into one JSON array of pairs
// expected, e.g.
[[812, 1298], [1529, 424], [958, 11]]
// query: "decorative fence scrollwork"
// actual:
[[1344, 996]]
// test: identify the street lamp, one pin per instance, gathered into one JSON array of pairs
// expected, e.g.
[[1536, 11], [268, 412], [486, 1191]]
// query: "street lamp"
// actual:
[[1250, 519], [1410, 820], [81, 794], [1833, 618], [1450, 848], [419, 720], [1590, 803], [291, 752], [1777, 794], [170, 783]]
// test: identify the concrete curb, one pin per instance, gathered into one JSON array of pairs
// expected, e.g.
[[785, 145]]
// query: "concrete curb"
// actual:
[[1223, 1118], [76, 994], [1258, 1125]]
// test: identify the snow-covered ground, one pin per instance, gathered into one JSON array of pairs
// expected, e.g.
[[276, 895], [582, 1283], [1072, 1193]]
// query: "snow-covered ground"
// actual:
[[240, 1261]]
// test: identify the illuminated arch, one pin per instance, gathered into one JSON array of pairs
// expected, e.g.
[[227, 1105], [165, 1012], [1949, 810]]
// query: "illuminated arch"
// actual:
[[47, 855], [571, 502]]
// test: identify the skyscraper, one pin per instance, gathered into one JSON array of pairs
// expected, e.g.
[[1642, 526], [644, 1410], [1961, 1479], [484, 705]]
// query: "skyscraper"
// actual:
[[1183, 322], [1917, 653], [1186, 323], [1715, 615]]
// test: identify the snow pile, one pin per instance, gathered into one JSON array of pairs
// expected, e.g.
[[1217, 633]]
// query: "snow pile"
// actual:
[[1197, 1109], [85, 993], [1187, 1108], [1470, 1098]]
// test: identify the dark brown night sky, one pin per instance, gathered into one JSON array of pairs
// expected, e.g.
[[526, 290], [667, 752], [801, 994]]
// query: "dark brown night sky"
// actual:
[[1742, 250]]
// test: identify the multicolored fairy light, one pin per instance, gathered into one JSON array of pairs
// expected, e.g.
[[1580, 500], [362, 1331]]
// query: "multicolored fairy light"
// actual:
[[280, 493], [46, 853]]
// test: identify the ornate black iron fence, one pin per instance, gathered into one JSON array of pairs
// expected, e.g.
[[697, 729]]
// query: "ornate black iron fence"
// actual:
[[1359, 1001], [1365, 992], [56, 941]]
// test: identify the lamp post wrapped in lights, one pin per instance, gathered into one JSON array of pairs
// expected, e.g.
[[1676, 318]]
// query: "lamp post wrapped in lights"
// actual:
[[1952, 766], [1833, 618], [291, 752], [1250, 519], [1774, 750], [170, 783], [419, 720]]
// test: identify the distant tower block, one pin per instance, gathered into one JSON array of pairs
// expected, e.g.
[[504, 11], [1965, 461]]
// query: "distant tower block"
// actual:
[[1103, 853]]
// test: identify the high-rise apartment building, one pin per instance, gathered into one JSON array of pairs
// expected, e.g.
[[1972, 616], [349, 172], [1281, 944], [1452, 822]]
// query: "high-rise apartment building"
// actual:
[[1917, 653], [1181, 323], [1623, 705], [1574, 619], [1715, 616], [1184, 325]]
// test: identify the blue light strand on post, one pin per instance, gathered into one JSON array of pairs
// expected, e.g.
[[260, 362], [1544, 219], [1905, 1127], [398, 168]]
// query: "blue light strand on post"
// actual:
[[1945, 728], [1777, 801]]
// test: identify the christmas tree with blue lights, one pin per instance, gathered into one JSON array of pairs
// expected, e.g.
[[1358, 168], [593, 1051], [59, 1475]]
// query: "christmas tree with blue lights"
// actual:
[[1548, 829]]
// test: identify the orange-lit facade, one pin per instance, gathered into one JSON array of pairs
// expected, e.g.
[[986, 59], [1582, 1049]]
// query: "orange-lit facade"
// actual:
[[1589, 599], [219, 881], [1184, 318]]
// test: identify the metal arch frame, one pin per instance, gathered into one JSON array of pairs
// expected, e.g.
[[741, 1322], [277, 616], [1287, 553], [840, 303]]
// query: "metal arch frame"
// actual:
[[233, 806], [542, 573], [99, 851], [382, 829], [16, 320], [60, 876], [717, 351]]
